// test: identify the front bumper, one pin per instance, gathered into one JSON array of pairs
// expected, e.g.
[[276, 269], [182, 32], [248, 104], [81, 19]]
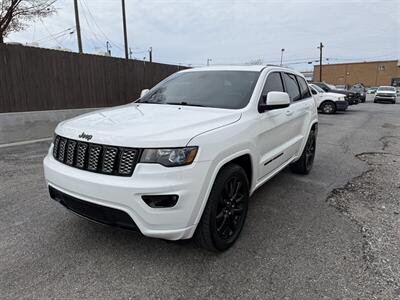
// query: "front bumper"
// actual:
[[352, 101], [385, 98], [341, 105], [125, 194]]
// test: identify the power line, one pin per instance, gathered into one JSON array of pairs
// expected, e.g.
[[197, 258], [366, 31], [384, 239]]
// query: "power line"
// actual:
[[98, 27], [90, 28], [51, 34], [56, 35]]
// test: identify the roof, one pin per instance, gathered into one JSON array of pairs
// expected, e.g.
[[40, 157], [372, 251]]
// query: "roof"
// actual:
[[254, 68]]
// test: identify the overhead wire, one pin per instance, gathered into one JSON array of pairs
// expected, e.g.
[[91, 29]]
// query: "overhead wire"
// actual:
[[98, 27], [45, 27], [91, 30]]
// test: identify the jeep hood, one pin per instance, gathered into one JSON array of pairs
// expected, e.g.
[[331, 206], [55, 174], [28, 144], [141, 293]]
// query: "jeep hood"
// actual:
[[147, 125]]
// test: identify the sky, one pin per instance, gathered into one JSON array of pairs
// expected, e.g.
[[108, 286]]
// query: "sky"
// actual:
[[227, 32]]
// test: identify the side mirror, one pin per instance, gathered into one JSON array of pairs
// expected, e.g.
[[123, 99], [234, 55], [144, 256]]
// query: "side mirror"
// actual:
[[143, 92], [275, 100]]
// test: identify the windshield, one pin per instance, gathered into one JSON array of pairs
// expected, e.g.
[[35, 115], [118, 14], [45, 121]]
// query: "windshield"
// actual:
[[221, 89], [332, 87], [387, 89], [317, 88]]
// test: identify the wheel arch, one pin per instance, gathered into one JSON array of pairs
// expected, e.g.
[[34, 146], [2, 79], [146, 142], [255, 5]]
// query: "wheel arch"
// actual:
[[326, 100], [313, 126], [243, 159]]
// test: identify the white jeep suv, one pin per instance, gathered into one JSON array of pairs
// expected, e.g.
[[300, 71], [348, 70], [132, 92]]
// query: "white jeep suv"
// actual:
[[184, 159]]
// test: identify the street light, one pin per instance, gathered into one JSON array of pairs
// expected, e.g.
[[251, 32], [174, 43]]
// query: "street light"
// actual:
[[282, 50]]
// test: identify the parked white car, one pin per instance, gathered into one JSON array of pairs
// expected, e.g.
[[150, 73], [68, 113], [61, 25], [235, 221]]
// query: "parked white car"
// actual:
[[184, 159], [328, 103], [386, 93]]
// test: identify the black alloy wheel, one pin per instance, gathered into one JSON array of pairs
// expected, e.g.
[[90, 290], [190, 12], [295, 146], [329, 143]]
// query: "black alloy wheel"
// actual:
[[310, 150], [225, 213], [230, 209], [305, 163]]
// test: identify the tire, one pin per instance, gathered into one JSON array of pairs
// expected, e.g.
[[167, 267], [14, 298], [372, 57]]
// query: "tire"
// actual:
[[306, 160], [328, 107], [225, 213]]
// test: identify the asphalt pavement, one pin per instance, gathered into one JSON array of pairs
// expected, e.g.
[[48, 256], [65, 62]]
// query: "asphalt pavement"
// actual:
[[297, 242]]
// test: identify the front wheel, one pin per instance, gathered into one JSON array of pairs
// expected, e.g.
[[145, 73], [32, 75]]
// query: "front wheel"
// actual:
[[306, 160], [328, 107], [224, 215]]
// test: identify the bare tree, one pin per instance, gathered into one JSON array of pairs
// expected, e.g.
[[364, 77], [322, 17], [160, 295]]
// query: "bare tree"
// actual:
[[15, 14]]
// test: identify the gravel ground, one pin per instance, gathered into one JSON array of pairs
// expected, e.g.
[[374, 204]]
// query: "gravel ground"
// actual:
[[296, 244], [372, 201]]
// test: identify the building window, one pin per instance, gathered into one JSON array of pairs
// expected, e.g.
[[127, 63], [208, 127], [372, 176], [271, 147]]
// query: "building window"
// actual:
[[382, 68]]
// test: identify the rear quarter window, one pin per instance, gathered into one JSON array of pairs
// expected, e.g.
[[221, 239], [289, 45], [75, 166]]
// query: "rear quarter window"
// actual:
[[305, 91], [292, 88]]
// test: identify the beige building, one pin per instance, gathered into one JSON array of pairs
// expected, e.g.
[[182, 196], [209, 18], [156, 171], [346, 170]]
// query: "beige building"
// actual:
[[374, 73]]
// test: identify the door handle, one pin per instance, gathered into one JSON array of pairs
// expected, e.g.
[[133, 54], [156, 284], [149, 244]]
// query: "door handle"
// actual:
[[289, 113]]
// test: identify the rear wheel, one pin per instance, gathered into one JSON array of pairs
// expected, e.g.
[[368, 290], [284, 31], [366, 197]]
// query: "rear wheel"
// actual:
[[225, 213], [306, 160], [328, 107]]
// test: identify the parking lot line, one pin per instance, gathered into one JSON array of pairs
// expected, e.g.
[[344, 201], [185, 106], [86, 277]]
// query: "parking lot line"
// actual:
[[25, 142]]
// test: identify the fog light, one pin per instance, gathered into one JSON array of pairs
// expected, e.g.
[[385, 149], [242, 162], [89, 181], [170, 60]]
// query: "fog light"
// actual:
[[158, 201]]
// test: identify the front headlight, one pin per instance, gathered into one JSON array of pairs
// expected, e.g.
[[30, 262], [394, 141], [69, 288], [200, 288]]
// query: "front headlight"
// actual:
[[172, 157], [341, 98]]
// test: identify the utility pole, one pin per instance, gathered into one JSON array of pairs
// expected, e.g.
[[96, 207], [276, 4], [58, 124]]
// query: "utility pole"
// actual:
[[151, 54], [208, 61], [320, 61], [108, 46], [125, 31], [78, 26], [282, 50]]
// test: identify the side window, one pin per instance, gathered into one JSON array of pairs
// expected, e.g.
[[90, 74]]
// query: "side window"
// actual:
[[273, 84], [314, 92], [292, 88], [323, 87], [305, 91]]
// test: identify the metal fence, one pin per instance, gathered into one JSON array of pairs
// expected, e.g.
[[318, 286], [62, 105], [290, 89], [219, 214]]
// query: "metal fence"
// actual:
[[33, 79]]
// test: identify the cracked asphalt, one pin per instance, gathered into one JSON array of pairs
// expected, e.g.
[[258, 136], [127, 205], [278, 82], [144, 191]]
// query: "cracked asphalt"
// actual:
[[331, 234]]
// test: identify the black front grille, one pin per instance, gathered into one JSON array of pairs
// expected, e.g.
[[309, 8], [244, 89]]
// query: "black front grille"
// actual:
[[104, 159], [95, 212], [385, 95]]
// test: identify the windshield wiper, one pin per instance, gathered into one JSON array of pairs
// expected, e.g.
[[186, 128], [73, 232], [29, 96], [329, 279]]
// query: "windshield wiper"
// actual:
[[184, 103]]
